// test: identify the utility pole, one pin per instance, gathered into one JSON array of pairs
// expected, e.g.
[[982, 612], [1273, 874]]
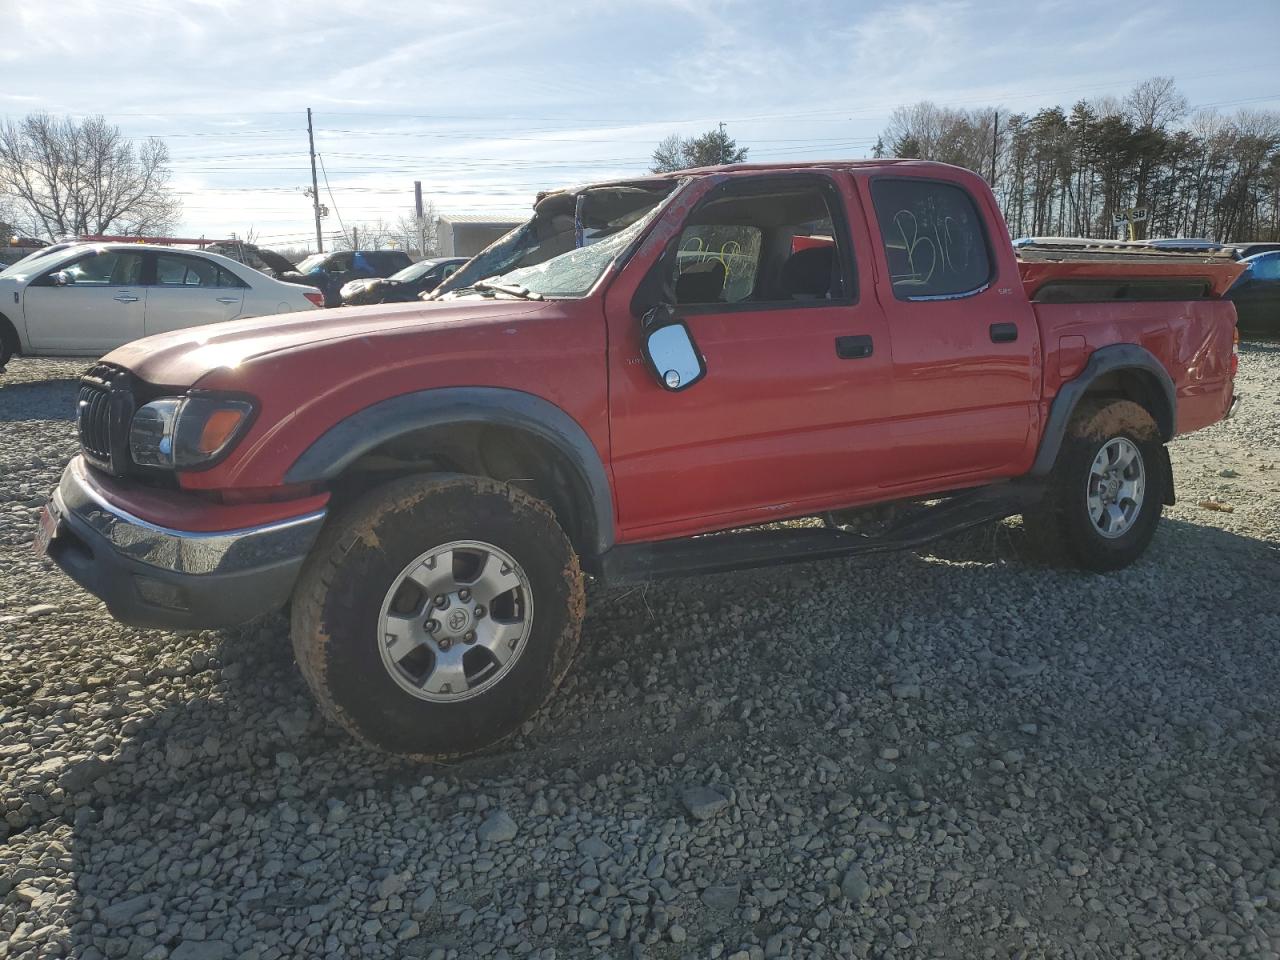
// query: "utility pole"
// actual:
[[723, 158], [355, 238], [417, 219], [315, 185], [995, 139]]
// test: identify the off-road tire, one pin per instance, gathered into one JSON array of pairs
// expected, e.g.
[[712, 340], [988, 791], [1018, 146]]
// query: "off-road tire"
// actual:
[[1061, 527], [337, 606]]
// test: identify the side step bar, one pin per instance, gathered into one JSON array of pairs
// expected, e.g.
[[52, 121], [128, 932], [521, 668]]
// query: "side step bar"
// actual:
[[740, 550]]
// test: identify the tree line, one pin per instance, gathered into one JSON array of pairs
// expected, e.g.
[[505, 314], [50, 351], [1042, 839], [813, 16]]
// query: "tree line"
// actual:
[[1077, 172]]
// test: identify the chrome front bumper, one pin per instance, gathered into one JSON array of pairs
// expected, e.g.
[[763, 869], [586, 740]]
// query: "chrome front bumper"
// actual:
[[155, 576], [182, 551]]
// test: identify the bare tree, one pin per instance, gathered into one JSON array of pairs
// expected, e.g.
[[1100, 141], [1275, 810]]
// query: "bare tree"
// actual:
[[420, 233], [926, 131], [1155, 104], [713, 148], [86, 177], [371, 235]]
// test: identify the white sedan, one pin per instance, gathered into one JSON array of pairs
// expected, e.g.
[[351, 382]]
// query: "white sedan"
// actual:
[[91, 298]]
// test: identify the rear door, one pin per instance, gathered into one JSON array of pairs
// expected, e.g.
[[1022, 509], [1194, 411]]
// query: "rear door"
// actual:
[[788, 416], [965, 342], [190, 291], [100, 307]]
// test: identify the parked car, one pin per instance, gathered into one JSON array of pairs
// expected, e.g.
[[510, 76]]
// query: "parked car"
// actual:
[[91, 298], [1257, 294], [330, 271], [18, 266], [426, 488], [1246, 250], [415, 279]]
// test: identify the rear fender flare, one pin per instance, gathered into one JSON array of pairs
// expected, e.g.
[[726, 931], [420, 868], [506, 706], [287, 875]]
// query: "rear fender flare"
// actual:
[[349, 439], [1117, 357]]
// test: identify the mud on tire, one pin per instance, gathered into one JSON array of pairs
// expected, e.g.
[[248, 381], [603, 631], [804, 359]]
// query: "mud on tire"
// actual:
[[1065, 526], [347, 621]]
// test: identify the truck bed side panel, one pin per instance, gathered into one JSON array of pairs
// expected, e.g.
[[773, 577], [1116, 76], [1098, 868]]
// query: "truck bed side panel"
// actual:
[[1192, 339]]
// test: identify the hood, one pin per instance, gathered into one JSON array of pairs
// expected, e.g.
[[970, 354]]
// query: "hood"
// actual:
[[181, 358]]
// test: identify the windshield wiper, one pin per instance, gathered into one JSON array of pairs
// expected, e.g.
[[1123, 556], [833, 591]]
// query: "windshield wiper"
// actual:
[[511, 289]]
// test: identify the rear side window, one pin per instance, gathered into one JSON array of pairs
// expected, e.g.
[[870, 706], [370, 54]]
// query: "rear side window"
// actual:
[[934, 239], [228, 279], [179, 271]]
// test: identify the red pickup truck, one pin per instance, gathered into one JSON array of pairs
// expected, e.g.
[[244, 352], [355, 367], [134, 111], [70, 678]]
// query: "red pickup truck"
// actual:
[[640, 381]]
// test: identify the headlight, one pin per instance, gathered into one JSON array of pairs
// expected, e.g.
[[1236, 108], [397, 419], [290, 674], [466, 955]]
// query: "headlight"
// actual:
[[178, 432]]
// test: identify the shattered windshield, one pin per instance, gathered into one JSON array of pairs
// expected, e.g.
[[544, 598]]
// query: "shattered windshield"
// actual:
[[564, 223], [572, 274]]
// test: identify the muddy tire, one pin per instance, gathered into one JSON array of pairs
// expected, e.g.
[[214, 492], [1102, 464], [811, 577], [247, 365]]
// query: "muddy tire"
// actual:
[[1107, 489], [435, 616]]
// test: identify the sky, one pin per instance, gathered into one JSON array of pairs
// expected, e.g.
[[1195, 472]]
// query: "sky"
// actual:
[[488, 101]]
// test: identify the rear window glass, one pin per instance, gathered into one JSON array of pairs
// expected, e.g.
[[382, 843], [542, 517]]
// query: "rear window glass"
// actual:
[[933, 238]]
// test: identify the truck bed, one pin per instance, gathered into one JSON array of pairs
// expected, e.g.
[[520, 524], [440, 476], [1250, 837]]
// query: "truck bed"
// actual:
[[1094, 271]]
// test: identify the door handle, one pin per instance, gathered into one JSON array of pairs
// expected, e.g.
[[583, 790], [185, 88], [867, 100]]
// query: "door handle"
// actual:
[[854, 348], [125, 298], [228, 299], [1004, 332]]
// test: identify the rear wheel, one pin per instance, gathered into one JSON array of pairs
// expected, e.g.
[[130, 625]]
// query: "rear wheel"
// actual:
[[1107, 489], [436, 616]]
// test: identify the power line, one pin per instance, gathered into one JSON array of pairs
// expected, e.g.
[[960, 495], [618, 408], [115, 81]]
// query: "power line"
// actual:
[[331, 200]]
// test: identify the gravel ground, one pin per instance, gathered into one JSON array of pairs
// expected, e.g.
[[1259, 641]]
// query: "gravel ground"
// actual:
[[956, 752]]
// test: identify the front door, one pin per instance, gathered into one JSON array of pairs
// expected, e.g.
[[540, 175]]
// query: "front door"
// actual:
[[965, 341], [798, 367], [190, 291], [100, 307]]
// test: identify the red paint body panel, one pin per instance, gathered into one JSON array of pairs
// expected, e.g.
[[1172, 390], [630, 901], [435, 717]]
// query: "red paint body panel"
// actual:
[[780, 426], [1192, 339], [179, 510], [1220, 275]]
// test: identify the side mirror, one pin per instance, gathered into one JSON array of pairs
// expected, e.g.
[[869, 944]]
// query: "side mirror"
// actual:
[[673, 356], [60, 279]]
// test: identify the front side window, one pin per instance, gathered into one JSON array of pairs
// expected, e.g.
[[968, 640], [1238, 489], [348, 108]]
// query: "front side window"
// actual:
[[756, 244], [105, 268], [934, 239], [724, 259]]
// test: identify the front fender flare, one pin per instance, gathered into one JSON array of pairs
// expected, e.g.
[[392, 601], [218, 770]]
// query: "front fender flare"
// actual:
[[1104, 360], [349, 439]]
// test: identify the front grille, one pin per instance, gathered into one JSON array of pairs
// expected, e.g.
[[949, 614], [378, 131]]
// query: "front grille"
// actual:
[[93, 418], [103, 412]]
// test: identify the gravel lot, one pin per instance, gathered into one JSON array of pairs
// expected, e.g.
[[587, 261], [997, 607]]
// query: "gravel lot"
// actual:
[[957, 752]]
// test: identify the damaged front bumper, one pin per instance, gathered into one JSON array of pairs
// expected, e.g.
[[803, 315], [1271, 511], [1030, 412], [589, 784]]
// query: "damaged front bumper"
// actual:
[[155, 576]]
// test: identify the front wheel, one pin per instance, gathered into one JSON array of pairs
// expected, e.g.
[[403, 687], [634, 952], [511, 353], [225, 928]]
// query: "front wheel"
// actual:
[[1107, 489], [435, 616]]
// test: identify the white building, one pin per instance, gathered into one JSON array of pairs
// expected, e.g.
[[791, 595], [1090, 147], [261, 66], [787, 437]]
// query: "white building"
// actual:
[[465, 235]]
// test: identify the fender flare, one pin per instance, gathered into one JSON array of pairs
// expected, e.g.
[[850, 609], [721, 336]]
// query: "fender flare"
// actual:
[[349, 439], [1109, 359]]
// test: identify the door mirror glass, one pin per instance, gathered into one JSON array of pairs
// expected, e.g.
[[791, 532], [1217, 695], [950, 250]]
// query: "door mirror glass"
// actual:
[[673, 356], [60, 279]]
